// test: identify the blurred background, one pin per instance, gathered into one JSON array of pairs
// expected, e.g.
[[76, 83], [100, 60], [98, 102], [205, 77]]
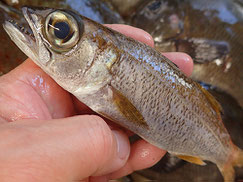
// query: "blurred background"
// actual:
[[210, 31]]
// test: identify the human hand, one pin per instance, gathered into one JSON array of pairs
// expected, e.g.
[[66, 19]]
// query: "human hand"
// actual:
[[43, 140]]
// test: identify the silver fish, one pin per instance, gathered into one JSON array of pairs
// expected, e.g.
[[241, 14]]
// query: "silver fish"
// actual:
[[129, 83]]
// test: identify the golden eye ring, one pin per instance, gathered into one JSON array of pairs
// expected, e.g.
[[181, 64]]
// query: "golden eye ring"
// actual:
[[61, 30]]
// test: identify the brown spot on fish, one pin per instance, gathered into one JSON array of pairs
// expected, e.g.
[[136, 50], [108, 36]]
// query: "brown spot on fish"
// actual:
[[102, 43], [113, 53], [127, 108], [113, 56]]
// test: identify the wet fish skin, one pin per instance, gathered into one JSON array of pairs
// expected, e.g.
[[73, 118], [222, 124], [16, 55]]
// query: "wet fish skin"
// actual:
[[134, 85]]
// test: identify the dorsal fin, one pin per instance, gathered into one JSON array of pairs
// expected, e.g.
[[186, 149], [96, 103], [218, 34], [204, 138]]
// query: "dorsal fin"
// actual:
[[214, 103]]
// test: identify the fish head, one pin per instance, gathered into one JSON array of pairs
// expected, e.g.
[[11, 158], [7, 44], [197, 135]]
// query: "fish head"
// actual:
[[59, 43]]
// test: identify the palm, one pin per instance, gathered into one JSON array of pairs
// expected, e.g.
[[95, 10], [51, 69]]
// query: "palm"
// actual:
[[32, 94]]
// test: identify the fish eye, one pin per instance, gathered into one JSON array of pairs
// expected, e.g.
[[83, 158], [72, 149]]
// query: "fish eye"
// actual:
[[61, 30]]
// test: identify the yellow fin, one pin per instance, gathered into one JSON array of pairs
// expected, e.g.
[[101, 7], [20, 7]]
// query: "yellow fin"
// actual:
[[191, 159], [214, 103], [228, 173], [127, 108]]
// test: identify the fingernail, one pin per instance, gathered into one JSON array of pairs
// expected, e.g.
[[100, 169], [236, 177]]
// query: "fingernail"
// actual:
[[123, 145]]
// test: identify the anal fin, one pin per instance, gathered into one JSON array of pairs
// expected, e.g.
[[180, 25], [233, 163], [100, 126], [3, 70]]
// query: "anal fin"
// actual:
[[192, 159]]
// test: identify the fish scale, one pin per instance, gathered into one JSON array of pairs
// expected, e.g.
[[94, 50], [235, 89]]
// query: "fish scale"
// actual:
[[126, 73]]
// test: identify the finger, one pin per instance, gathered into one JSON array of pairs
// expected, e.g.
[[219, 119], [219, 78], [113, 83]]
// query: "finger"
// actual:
[[143, 155], [135, 33], [81, 108], [29, 93], [182, 60], [68, 149]]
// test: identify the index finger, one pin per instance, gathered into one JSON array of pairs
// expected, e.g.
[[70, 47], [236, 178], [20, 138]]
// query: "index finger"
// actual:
[[133, 32]]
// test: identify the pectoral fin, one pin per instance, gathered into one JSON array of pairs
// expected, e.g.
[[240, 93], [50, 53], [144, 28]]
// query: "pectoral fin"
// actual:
[[192, 159], [127, 109]]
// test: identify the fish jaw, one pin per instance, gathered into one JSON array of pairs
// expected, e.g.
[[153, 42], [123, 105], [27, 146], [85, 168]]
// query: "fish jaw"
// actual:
[[32, 44], [24, 41]]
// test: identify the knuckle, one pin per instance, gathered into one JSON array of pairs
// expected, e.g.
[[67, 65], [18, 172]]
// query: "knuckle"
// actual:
[[102, 138]]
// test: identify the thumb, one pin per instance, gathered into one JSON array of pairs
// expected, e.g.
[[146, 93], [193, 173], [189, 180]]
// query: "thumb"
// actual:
[[68, 149]]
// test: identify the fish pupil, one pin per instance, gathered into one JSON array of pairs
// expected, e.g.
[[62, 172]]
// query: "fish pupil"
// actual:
[[61, 30]]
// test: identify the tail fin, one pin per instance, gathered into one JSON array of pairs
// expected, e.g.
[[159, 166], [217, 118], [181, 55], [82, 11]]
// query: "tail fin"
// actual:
[[238, 162], [227, 170], [228, 173]]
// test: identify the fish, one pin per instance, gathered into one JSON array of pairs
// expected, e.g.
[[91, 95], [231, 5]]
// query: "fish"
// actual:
[[129, 83], [125, 7]]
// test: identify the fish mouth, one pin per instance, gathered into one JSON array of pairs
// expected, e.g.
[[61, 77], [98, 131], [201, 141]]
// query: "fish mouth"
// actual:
[[26, 31], [23, 36]]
